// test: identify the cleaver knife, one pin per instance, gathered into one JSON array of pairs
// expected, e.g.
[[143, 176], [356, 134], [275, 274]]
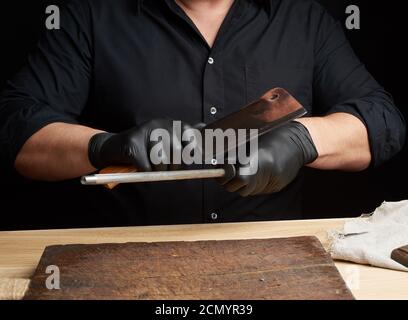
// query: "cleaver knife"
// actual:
[[274, 109]]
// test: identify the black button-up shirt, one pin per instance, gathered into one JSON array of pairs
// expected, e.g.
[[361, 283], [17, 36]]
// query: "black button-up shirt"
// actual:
[[115, 64]]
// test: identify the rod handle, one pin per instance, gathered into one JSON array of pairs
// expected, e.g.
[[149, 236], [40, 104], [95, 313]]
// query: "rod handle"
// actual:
[[117, 169]]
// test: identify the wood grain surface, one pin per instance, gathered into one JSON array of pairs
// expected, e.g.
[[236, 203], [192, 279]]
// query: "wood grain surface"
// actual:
[[285, 268], [20, 251]]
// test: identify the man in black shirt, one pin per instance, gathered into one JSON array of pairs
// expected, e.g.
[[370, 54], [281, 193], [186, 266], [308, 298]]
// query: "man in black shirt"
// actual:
[[115, 68]]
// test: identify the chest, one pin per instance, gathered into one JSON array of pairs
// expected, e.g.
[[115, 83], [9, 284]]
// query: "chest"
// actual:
[[165, 71]]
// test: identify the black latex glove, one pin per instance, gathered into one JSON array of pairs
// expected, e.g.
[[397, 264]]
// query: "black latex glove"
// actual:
[[281, 154], [132, 147]]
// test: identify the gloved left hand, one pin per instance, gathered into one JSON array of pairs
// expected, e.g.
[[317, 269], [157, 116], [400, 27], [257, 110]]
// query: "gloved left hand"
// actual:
[[281, 154]]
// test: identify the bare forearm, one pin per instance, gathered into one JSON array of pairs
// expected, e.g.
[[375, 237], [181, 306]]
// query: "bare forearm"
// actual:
[[341, 141], [56, 152]]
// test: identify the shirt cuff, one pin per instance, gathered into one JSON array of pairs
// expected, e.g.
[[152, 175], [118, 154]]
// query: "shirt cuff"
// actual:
[[383, 133]]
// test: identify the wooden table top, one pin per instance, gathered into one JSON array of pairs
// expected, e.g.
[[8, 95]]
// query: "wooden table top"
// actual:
[[20, 251]]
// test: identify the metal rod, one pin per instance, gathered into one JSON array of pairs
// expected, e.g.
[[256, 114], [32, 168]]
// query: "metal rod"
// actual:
[[136, 177]]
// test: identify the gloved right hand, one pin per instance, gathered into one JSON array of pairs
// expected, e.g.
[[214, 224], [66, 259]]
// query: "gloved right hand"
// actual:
[[280, 155], [132, 147]]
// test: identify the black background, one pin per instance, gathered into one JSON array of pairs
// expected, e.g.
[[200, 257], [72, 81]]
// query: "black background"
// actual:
[[379, 44]]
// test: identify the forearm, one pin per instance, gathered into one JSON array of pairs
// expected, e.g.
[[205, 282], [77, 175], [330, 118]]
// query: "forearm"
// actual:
[[58, 151], [341, 140]]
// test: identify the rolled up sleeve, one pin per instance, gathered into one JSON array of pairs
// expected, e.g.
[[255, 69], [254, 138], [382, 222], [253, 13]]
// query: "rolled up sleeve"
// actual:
[[343, 84], [53, 86]]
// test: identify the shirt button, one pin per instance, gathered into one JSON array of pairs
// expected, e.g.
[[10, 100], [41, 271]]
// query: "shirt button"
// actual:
[[210, 60], [213, 110], [214, 216]]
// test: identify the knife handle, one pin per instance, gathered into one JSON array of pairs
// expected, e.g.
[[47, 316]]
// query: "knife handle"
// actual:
[[117, 169], [400, 255]]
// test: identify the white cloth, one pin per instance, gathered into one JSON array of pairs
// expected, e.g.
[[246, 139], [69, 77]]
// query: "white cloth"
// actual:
[[371, 240]]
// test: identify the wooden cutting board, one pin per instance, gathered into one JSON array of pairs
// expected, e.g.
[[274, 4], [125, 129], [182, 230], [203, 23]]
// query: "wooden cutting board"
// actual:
[[289, 268]]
